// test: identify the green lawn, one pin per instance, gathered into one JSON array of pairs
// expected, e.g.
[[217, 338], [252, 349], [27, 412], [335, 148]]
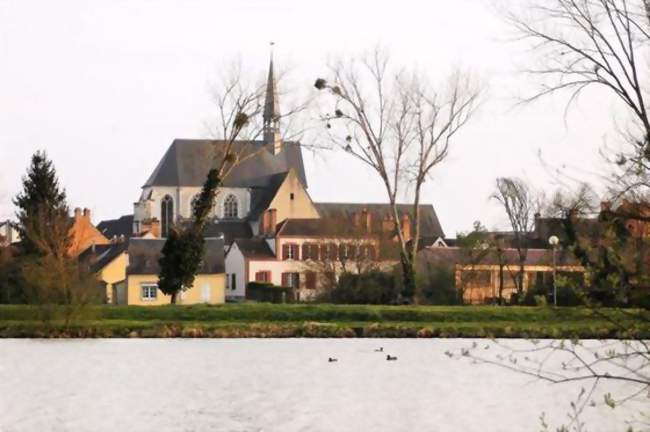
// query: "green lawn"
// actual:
[[304, 320]]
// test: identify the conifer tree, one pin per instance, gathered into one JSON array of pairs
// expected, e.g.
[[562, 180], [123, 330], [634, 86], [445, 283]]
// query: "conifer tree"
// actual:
[[41, 203]]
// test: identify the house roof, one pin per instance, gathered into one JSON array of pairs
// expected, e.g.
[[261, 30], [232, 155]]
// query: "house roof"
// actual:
[[102, 255], [534, 257], [254, 248], [229, 229], [145, 253], [187, 162], [429, 226], [315, 228], [123, 226]]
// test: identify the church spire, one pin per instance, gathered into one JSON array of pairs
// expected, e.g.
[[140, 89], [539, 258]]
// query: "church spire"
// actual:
[[271, 115]]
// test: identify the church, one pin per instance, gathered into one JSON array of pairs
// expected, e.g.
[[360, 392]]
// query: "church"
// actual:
[[271, 229]]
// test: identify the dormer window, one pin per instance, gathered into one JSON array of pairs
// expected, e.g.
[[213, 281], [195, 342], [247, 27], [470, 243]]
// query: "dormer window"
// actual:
[[230, 207]]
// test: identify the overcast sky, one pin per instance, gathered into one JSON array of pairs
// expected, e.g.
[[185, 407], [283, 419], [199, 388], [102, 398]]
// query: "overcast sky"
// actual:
[[105, 86]]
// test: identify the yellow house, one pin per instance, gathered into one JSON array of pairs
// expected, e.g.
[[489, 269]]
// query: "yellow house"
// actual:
[[108, 263], [140, 287]]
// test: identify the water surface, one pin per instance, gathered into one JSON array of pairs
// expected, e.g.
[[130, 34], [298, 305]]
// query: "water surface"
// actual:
[[272, 385]]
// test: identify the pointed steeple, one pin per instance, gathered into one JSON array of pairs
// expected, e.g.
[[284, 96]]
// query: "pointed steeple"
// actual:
[[271, 115]]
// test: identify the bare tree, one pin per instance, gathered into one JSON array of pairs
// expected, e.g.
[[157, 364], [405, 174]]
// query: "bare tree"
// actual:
[[401, 127], [520, 205], [596, 43]]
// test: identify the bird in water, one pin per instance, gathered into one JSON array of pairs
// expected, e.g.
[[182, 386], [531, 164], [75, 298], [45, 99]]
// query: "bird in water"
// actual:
[[380, 349], [332, 360], [390, 357]]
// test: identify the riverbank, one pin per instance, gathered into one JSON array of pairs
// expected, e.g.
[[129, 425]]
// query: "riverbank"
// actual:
[[304, 320]]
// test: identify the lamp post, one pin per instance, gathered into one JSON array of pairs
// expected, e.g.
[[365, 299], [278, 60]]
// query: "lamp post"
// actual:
[[554, 241]]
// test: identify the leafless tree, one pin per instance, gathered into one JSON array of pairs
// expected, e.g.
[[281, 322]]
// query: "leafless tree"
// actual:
[[400, 126], [596, 43], [586, 363], [520, 205]]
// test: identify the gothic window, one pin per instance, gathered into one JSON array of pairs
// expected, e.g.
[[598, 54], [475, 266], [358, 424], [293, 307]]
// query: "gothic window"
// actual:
[[230, 210], [166, 215]]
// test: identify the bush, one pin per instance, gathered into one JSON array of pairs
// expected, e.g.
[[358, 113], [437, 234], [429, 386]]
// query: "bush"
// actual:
[[372, 287], [438, 286], [267, 292]]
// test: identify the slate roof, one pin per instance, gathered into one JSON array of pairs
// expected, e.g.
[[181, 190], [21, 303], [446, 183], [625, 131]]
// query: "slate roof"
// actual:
[[455, 255], [230, 230], [145, 253], [263, 192], [429, 226], [254, 248], [103, 255], [314, 228], [117, 227], [187, 162]]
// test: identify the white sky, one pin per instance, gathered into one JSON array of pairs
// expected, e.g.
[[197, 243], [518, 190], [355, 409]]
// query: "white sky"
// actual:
[[105, 86]]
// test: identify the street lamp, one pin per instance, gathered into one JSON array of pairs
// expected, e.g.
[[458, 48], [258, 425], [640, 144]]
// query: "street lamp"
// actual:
[[554, 242]]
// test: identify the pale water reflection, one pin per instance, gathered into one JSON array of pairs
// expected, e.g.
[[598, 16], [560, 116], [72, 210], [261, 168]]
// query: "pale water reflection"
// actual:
[[272, 385]]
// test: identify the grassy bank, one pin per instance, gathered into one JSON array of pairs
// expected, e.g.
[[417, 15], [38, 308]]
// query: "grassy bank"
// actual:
[[267, 320]]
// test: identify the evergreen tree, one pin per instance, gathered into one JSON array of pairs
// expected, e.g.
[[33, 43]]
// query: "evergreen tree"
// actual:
[[41, 202]]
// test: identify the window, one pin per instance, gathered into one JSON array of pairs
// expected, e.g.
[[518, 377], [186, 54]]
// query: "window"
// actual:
[[166, 215], [310, 280], [149, 291], [233, 281], [290, 251], [291, 196], [263, 276], [309, 251], [230, 210], [291, 280], [329, 252]]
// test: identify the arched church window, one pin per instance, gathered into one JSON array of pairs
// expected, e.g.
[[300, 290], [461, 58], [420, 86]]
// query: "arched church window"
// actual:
[[166, 215], [230, 210]]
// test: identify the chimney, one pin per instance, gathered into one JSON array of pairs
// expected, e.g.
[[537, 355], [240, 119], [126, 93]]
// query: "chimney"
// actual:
[[268, 222], [369, 221], [87, 214], [357, 219], [387, 224], [77, 213], [406, 226]]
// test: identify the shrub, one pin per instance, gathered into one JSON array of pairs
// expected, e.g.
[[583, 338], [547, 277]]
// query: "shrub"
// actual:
[[267, 292], [372, 287], [437, 285]]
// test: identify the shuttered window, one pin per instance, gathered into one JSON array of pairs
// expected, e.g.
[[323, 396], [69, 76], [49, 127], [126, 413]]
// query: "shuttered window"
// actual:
[[291, 280], [263, 276], [290, 251], [310, 280], [309, 251]]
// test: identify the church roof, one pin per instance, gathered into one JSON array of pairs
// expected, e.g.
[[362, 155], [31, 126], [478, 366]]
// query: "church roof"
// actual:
[[144, 255], [272, 101], [429, 223], [263, 192], [187, 162]]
